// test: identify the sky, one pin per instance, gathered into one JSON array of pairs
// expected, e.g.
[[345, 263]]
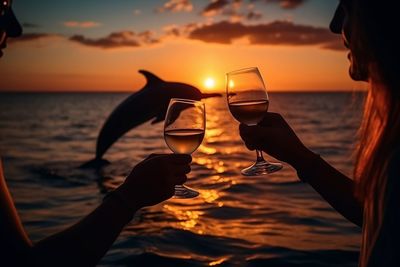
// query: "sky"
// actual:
[[98, 45]]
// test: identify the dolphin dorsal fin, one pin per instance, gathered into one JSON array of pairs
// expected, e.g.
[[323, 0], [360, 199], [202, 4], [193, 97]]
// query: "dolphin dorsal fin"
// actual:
[[150, 77]]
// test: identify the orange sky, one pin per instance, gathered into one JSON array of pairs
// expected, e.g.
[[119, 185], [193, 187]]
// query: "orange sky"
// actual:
[[69, 67], [50, 58]]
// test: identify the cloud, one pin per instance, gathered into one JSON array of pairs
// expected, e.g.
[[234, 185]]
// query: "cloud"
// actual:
[[172, 30], [81, 24], [176, 6], [253, 15], [227, 7], [288, 4], [223, 32], [28, 37], [30, 25], [118, 40], [274, 33], [176, 31], [338, 46], [137, 12], [215, 7]]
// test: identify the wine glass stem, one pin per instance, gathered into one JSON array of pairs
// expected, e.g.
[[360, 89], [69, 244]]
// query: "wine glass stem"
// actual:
[[260, 157]]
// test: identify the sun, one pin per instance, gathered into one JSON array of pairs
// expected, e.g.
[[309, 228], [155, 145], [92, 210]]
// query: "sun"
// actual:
[[209, 83]]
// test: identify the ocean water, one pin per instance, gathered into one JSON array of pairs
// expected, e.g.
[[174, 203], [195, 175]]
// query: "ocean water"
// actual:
[[271, 220]]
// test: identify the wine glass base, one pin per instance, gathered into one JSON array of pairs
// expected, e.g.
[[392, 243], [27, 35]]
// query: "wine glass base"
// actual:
[[261, 168], [182, 191]]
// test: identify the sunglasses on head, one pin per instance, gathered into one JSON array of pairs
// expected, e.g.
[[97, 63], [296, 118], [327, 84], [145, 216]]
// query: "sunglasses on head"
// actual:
[[5, 5]]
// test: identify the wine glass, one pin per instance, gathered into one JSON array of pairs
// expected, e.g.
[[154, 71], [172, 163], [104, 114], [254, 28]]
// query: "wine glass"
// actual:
[[248, 102], [184, 128]]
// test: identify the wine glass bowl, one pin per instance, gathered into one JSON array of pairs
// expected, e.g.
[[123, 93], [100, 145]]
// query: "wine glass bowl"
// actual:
[[184, 129], [248, 102]]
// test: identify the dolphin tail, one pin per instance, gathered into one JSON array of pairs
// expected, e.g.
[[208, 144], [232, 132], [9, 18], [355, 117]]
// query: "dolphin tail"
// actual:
[[96, 163]]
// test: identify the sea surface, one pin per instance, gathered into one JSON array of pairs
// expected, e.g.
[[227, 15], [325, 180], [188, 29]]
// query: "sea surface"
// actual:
[[271, 221]]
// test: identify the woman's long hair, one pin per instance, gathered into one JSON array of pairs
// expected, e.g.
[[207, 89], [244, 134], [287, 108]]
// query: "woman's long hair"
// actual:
[[374, 31], [377, 52]]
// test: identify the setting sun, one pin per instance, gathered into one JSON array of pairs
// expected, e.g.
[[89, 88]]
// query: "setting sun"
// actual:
[[209, 83]]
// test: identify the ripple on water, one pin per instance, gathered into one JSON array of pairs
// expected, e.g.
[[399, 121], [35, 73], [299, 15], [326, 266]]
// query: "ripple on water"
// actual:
[[273, 220]]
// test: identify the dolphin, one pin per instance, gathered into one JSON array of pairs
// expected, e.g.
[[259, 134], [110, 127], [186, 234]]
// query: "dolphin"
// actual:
[[149, 103]]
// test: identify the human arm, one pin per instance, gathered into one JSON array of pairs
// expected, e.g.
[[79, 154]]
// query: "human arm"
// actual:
[[274, 136], [85, 243], [13, 240]]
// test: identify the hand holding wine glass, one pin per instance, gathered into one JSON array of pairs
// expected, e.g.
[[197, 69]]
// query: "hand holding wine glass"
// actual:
[[184, 128], [248, 102]]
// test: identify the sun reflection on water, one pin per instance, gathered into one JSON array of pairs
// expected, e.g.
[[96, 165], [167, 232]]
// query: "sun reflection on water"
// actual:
[[207, 150], [216, 165], [209, 196], [187, 219], [232, 217], [218, 262], [213, 132]]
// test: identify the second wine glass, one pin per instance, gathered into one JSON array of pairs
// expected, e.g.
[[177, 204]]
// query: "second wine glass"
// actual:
[[185, 124], [248, 102]]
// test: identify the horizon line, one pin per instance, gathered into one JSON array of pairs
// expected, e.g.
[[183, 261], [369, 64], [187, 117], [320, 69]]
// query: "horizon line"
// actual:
[[127, 92]]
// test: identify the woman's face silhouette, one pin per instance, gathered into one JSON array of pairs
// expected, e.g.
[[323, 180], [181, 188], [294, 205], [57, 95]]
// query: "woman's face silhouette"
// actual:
[[343, 23], [9, 25]]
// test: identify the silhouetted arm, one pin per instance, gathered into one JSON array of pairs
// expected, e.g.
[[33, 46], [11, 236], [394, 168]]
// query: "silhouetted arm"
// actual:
[[14, 242], [336, 188], [84, 244], [274, 136]]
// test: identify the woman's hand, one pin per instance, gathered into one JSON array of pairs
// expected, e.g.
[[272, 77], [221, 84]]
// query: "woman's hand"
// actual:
[[274, 136], [153, 180]]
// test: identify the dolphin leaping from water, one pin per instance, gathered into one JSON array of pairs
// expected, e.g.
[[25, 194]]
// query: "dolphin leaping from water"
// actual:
[[151, 102]]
